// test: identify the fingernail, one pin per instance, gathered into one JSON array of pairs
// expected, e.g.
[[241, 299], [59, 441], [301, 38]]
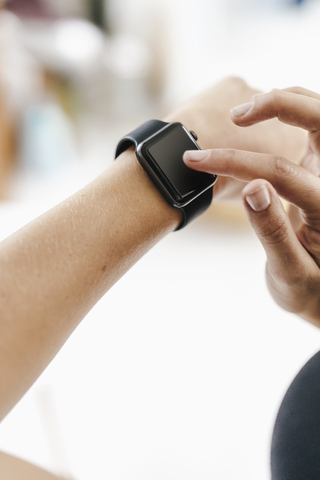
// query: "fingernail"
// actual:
[[195, 155], [241, 109], [259, 200]]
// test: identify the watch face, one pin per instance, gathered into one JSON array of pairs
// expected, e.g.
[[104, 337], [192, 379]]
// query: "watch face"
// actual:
[[161, 155]]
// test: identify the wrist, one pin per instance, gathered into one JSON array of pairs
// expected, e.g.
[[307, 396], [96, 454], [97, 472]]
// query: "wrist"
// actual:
[[159, 147], [154, 210]]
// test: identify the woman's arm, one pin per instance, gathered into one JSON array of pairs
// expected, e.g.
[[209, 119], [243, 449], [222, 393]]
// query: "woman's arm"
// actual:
[[56, 268]]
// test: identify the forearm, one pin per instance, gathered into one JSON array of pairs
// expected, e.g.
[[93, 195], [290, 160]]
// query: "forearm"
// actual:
[[56, 268]]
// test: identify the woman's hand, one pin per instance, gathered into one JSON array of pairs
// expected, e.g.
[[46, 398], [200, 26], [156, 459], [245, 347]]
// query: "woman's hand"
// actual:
[[291, 240], [208, 115]]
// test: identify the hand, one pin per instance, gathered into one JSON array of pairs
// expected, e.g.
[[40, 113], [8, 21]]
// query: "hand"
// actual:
[[208, 115], [291, 240]]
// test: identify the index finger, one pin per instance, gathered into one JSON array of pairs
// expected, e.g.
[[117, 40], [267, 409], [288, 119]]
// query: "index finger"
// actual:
[[296, 109], [294, 183]]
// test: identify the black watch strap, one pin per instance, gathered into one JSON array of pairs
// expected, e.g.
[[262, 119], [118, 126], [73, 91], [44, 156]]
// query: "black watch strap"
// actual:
[[139, 135], [194, 208]]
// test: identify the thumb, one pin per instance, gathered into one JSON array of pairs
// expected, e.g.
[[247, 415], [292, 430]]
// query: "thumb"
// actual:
[[286, 256]]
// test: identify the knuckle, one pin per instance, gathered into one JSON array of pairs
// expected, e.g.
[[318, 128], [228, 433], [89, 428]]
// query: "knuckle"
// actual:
[[229, 160], [275, 232], [283, 167], [275, 97], [278, 103]]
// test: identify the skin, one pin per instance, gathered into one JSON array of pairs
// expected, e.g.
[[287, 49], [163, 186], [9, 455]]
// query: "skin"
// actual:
[[62, 263], [291, 239]]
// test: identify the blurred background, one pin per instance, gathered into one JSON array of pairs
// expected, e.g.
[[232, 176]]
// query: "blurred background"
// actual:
[[192, 388], [75, 75]]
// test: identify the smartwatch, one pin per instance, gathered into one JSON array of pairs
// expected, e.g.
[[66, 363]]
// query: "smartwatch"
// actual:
[[159, 148]]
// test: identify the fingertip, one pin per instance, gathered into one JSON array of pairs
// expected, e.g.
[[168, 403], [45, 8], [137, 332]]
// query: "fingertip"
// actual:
[[195, 156], [257, 195], [238, 112]]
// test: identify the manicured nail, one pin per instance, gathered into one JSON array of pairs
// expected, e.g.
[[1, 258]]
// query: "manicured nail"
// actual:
[[241, 109], [259, 200], [195, 155]]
